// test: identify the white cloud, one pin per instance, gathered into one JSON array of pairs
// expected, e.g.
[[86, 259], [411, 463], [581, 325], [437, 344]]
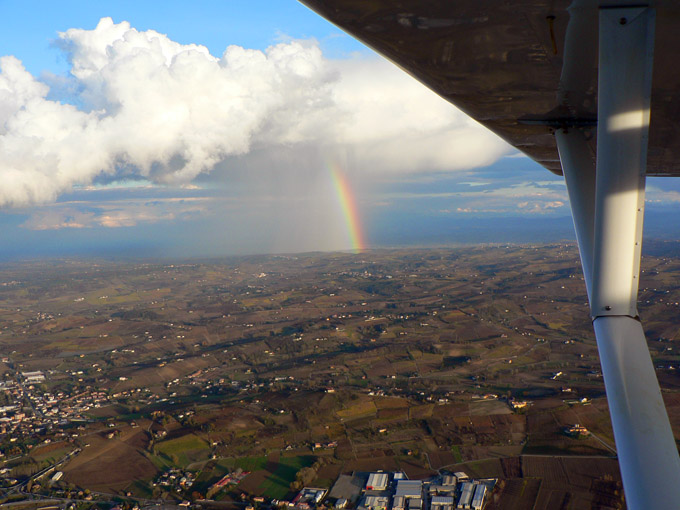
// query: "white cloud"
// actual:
[[510, 194], [539, 207], [654, 194], [151, 108], [115, 213], [528, 197]]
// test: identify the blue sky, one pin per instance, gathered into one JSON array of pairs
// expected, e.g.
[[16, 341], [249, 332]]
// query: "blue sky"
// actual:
[[168, 129], [29, 27]]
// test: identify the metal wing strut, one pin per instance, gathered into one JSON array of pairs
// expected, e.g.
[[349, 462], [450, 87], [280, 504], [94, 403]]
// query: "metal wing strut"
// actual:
[[607, 207]]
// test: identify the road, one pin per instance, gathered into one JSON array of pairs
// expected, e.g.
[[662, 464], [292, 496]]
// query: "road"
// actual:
[[19, 487], [604, 443]]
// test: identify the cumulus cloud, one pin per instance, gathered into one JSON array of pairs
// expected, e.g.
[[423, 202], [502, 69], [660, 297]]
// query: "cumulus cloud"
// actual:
[[147, 107]]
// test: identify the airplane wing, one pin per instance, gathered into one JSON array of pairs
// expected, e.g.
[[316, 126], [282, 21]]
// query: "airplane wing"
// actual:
[[500, 63]]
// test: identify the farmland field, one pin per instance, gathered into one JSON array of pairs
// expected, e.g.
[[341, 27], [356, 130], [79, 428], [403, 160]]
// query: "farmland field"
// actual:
[[184, 450], [271, 477]]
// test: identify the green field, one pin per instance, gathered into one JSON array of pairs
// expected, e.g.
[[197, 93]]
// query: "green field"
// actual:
[[275, 478], [361, 409], [277, 485], [140, 489], [456, 453], [218, 469], [245, 463], [184, 450], [52, 456], [160, 461]]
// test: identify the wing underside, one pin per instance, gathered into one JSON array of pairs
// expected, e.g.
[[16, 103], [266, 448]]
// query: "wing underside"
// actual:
[[502, 62]]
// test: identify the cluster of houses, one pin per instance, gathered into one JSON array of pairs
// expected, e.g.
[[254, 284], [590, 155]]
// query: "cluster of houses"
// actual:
[[175, 480], [326, 445], [66, 406], [208, 381], [232, 478], [31, 410], [11, 415], [393, 491]]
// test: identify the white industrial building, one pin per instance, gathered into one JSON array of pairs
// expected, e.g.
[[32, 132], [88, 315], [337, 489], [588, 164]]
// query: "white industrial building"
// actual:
[[31, 377], [409, 495], [441, 503], [410, 488], [377, 482], [374, 503], [449, 480], [466, 495], [478, 498]]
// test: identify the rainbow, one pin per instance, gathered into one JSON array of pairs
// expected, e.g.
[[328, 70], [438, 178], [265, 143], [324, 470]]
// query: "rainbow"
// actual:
[[349, 207]]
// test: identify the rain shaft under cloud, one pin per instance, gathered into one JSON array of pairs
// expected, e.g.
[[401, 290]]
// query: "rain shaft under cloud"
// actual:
[[148, 107]]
